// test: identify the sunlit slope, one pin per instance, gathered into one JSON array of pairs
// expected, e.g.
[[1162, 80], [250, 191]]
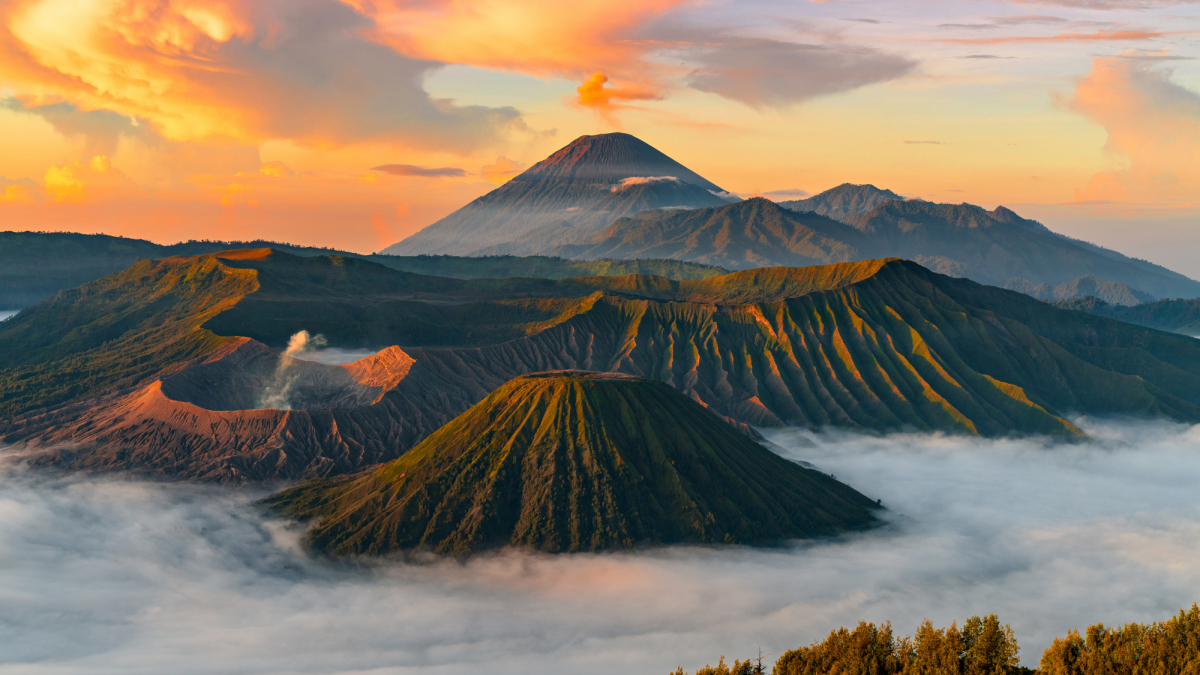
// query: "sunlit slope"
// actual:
[[115, 331], [576, 462], [903, 348]]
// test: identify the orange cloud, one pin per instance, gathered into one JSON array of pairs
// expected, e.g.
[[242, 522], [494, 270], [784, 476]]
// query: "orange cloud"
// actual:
[[594, 93], [76, 182], [501, 171], [16, 194], [199, 70], [528, 36], [1153, 125]]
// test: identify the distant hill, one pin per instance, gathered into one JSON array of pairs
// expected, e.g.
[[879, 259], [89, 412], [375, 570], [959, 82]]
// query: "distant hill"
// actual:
[[576, 461], [566, 198], [843, 201], [120, 374], [1112, 292], [1175, 316], [752, 233], [36, 265], [993, 247]]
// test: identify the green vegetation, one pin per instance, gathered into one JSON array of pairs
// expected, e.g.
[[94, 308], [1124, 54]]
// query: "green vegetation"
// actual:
[[985, 647], [576, 461], [36, 265]]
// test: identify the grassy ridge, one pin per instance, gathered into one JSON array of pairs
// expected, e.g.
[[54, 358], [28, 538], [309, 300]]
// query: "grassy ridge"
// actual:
[[115, 331], [36, 265], [576, 462]]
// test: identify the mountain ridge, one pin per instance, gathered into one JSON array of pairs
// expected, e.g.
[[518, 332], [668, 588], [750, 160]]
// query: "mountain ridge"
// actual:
[[871, 346]]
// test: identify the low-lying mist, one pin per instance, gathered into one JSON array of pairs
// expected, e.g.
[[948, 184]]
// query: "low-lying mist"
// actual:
[[119, 576]]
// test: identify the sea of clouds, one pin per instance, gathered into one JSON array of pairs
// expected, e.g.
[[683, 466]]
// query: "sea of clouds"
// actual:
[[107, 575]]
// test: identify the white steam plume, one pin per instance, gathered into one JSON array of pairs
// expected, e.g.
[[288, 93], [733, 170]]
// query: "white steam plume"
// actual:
[[276, 392]]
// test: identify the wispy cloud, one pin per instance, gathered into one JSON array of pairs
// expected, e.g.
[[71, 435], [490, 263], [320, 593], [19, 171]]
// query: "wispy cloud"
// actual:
[[424, 172], [771, 73], [1114, 35]]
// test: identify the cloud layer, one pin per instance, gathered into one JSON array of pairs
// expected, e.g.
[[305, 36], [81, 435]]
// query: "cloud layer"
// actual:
[[132, 577]]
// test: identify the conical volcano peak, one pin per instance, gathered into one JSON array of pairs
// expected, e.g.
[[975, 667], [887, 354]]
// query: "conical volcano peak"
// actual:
[[577, 461], [612, 158]]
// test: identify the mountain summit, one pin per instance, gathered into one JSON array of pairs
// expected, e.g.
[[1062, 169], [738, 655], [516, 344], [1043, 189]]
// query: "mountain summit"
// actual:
[[566, 198], [844, 201], [611, 158], [577, 461]]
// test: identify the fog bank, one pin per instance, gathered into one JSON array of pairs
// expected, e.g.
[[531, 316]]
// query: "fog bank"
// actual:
[[116, 576], [4, 316]]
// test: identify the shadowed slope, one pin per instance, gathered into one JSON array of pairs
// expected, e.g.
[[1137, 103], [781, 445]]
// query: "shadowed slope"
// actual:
[[573, 461]]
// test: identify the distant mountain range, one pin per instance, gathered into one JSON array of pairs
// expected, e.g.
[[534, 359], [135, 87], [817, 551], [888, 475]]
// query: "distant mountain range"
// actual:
[[1175, 316], [566, 198], [1111, 292], [164, 369], [576, 461], [36, 265], [993, 247], [614, 196]]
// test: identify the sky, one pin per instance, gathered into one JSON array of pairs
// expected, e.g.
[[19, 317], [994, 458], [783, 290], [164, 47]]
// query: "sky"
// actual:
[[354, 123]]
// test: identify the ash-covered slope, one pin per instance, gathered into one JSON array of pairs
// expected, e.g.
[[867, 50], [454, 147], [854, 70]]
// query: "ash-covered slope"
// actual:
[[576, 461], [843, 201], [566, 198], [878, 345]]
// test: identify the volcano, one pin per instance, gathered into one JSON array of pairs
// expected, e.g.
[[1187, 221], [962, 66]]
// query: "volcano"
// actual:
[[576, 461], [566, 198]]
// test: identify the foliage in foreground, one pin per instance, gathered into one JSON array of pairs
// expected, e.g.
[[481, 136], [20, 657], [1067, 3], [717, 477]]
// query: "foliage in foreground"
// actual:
[[985, 647]]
